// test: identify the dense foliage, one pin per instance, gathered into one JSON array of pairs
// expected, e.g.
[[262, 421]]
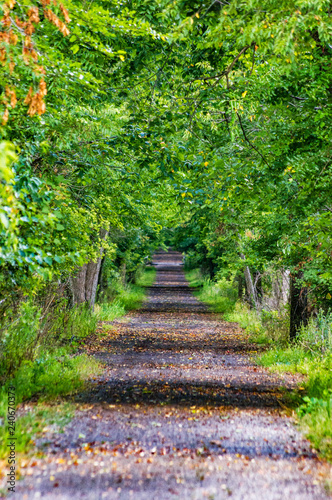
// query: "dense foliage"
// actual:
[[204, 125]]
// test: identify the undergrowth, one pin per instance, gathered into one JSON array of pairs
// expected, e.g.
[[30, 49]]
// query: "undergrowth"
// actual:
[[48, 377], [310, 355], [220, 296]]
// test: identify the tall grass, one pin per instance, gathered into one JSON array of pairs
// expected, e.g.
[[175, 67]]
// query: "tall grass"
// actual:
[[220, 295], [123, 297]]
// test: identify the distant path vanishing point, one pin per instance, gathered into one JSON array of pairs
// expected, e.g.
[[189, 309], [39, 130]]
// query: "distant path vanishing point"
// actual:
[[180, 412]]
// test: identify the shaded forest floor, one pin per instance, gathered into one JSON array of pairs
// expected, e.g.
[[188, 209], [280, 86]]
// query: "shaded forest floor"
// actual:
[[180, 410]]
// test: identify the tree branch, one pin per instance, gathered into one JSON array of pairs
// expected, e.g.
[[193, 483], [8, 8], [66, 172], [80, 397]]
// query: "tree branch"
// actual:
[[249, 142]]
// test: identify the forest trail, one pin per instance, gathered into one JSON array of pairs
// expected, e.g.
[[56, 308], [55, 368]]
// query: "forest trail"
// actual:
[[179, 412]]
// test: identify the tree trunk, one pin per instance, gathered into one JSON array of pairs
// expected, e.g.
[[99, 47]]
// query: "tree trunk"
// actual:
[[250, 285], [298, 306], [123, 271], [102, 285], [285, 287], [258, 286], [78, 285], [280, 289], [240, 283], [84, 283]]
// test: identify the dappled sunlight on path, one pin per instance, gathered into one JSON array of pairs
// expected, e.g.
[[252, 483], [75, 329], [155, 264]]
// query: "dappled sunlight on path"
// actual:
[[181, 411]]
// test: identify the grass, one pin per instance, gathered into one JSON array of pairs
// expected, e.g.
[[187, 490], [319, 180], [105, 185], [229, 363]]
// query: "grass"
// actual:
[[249, 320], [220, 296], [315, 411], [310, 355], [46, 379], [146, 277], [126, 297], [37, 420], [195, 277]]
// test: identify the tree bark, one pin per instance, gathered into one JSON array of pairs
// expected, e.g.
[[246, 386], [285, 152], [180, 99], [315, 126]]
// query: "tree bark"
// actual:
[[258, 286], [84, 283], [250, 285], [298, 306], [101, 280], [240, 283]]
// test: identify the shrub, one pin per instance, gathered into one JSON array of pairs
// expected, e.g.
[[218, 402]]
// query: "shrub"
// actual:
[[316, 417]]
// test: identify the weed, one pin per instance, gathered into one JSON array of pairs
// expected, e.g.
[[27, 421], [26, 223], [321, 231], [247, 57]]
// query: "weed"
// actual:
[[250, 320], [108, 311], [47, 377], [195, 278], [19, 339], [145, 277]]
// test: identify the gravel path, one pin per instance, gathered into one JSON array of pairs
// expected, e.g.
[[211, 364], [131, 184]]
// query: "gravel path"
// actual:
[[181, 411]]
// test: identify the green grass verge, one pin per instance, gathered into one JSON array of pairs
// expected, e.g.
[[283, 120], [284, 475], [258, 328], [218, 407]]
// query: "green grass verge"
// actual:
[[39, 419], [45, 379], [220, 296], [56, 371], [126, 297]]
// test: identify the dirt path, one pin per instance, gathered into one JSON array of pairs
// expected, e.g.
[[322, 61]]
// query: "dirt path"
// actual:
[[180, 412]]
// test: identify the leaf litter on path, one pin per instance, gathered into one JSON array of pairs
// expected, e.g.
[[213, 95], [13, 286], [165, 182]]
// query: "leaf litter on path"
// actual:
[[179, 411]]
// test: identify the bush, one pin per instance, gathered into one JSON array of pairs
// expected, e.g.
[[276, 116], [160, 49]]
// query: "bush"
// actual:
[[276, 325], [28, 335], [247, 318], [316, 417], [64, 325]]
